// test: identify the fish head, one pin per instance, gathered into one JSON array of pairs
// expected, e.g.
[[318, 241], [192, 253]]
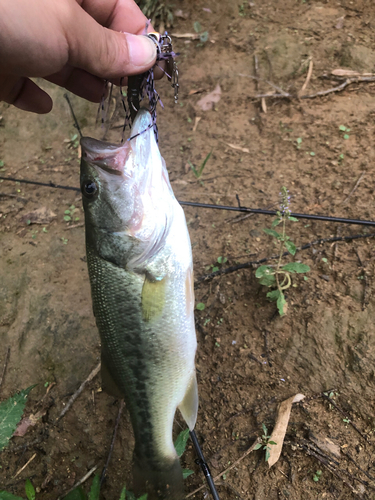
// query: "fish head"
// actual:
[[125, 188]]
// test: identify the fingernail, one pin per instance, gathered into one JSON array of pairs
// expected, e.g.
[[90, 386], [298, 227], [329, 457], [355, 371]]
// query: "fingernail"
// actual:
[[142, 51]]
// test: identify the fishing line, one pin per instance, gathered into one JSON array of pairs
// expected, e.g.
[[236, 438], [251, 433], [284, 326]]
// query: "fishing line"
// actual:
[[76, 124], [325, 218]]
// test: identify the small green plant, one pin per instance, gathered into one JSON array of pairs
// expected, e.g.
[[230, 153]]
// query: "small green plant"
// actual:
[[180, 445], [198, 172], [203, 35], [200, 306], [298, 142], [69, 213], [279, 276], [73, 142], [11, 411], [345, 131], [5, 495], [29, 490], [241, 9], [265, 444], [317, 475], [214, 267], [158, 11]]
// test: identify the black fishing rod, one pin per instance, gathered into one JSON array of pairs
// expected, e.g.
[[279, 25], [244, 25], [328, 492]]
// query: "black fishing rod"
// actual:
[[325, 218], [204, 466]]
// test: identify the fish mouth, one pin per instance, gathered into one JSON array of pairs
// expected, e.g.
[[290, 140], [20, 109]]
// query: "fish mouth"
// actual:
[[113, 157]]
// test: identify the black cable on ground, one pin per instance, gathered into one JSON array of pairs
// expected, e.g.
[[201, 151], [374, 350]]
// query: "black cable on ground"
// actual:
[[325, 218]]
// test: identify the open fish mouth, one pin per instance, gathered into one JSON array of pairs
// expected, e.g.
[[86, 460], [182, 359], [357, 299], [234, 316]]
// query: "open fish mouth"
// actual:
[[113, 158]]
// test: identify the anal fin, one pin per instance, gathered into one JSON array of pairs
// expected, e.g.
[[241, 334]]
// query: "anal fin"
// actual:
[[108, 383], [189, 405]]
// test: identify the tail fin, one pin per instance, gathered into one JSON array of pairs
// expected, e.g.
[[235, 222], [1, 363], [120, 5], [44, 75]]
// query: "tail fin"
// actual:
[[163, 481]]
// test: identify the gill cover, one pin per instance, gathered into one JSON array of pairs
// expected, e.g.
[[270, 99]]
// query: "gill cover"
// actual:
[[126, 194]]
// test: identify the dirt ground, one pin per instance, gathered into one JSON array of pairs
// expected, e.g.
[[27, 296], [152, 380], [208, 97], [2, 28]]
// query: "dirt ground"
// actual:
[[249, 358]]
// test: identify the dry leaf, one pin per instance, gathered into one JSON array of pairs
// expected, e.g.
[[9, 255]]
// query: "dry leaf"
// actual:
[[326, 445], [181, 14], [180, 181], [263, 104], [42, 215], [197, 91], [340, 23], [349, 73], [238, 148], [278, 433], [207, 102], [197, 120], [189, 36], [27, 422]]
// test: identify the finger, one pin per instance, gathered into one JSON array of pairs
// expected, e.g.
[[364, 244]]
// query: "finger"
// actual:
[[80, 83], [24, 94], [118, 15], [104, 52]]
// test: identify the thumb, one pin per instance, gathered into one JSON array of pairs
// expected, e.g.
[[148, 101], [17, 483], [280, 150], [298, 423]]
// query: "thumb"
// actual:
[[106, 53]]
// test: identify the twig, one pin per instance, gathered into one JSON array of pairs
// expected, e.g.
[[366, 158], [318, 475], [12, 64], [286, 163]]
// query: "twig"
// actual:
[[24, 467], [330, 400], [5, 366], [328, 465], [94, 372], [355, 187], [279, 89], [358, 467], [247, 452], [7, 195], [104, 471], [308, 77], [318, 451], [339, 88], [81, 481], [316, 396], [335, 248], [254, 358], [325, 459], [236, 219], [247, 265], [81, 224], [256, 71], [365, 280]]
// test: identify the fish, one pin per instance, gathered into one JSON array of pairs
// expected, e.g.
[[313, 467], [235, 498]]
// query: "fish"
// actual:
[[140, 266]]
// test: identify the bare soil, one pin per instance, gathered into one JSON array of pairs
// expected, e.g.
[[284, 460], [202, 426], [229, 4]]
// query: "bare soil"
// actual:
[[249, 358]]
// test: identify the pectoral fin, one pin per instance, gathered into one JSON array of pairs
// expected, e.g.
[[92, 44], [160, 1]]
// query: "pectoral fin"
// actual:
[[108, 384], [189, 405], [153, 298]]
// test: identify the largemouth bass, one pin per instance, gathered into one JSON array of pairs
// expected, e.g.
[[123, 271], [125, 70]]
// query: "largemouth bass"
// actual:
[[141, 273]]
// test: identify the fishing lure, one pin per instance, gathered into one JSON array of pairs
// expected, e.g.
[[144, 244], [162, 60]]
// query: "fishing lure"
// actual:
[[142, 87]]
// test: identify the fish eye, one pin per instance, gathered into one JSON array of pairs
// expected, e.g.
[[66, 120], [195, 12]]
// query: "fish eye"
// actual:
[[89, 189]]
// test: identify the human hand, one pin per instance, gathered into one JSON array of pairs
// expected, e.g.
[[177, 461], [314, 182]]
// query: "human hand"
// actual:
[[76, 44]]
